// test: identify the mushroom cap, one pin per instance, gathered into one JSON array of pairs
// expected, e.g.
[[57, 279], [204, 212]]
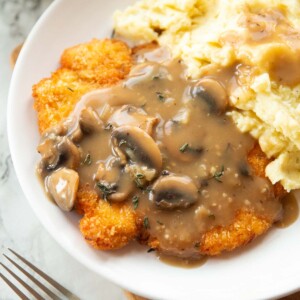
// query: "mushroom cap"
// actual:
[[90, 121], [212, 93], [138, 146], [171, 192], [111, 175], [135, 116], [62, 185], [57, 151]]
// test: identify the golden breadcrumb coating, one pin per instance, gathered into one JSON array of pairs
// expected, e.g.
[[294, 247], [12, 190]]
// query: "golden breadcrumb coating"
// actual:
[[245, 227], [103, 62], [85, 67], [56, 97], [258, 161], [105, 226]]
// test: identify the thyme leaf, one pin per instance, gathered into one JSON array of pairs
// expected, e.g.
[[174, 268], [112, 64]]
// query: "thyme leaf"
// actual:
[[146, 223], [218, 174], [161, 96], [135, 202], [106, 189], [184, 147], [187, 148], [70, 89], [88, 160]]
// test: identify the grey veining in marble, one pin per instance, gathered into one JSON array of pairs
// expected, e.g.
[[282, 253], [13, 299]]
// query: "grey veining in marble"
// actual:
[[19, 228]]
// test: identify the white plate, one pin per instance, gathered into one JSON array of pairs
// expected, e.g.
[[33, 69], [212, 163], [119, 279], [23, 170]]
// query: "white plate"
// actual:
[[269, 267]]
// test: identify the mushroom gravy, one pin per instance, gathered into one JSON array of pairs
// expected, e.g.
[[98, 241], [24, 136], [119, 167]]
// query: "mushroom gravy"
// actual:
[[163, 144]]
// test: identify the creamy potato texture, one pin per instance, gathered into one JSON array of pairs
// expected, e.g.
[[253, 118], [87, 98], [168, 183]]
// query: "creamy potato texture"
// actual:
[[259, 40]]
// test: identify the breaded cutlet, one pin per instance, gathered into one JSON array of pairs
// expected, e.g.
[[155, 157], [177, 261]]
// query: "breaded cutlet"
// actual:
[[101, 63], [86, 67]]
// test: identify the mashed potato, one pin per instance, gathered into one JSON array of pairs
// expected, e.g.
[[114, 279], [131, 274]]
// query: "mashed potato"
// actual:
[[262, 35]]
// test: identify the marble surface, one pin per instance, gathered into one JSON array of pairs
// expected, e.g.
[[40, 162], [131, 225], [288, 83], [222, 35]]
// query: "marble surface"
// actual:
[[19, 228]]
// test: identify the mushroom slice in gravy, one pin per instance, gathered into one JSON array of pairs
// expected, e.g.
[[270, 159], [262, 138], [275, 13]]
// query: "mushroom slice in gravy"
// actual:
[[212, 93], [57, 151], [171, 192], [89, 121], [131, 115], [137, 146], [112, 182], [62, 185]]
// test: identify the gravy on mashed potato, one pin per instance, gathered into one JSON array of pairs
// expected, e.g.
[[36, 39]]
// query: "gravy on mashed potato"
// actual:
[[260, 39]]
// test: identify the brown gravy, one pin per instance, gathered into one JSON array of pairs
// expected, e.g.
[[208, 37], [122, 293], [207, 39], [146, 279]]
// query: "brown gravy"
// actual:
[[270, 28], [290, 211], [163, 144], [182, 262]]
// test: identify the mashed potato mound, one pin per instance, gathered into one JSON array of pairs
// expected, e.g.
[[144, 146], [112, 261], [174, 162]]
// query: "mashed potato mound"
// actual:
[[264, 36]]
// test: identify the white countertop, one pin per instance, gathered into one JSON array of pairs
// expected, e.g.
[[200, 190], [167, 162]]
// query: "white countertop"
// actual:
[[19, 228]]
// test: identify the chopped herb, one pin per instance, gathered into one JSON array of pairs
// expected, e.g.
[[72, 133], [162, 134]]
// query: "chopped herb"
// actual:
[[156, 77], [160, 96], [159, 222], [108, 126], [217, 176], [106, 189], [150, 250], [70, 89], [135, 202], [187, 148], [146, 223], [88, 160], [212, 216], [197, 245], [184, 147], [138, 178]]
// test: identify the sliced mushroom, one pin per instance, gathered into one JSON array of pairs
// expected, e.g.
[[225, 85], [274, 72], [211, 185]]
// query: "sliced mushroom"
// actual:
[[112, 182], [58, 151], [76, 134], [62, 185], [90, 121], [131, 115], [212, 93], [172, 192], [137, 146]]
